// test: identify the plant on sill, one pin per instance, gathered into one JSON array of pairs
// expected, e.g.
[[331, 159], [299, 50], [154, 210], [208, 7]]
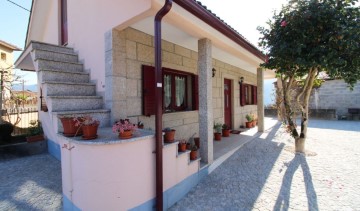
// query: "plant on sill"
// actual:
[[89, 126], [249, 117], [217, 127], [169, 135], [123, 125], [140, 125], [182, 145]]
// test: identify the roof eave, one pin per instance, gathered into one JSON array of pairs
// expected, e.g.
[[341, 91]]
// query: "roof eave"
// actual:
[[205, 15]]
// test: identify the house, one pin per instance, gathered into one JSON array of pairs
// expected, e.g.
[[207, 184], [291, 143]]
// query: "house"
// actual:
[[6, 66], [99, 59]]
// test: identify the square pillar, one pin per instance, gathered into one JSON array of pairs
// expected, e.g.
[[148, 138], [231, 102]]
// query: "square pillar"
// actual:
[[260, 99], [205, 100]]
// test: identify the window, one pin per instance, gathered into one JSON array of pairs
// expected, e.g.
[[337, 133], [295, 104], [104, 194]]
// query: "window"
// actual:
[[180, 91], [3, 56], [248, 94]]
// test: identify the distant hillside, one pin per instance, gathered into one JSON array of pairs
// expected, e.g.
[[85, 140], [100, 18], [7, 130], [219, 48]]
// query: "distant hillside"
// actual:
[[31, 87]]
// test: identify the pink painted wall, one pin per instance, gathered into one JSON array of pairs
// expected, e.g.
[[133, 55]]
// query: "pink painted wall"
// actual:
[[118, 176], [87, 31]]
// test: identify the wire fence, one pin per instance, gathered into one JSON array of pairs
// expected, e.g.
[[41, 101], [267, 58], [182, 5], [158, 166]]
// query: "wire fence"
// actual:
[[20, 118]]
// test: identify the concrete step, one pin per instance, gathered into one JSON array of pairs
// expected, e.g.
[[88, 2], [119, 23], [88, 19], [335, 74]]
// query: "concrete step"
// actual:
[[50, 47], [64, 76], [73, 103], [54, 55], [102, 115], [45, 64], [51, 88]]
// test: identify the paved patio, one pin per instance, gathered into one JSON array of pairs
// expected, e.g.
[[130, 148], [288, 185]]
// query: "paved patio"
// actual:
[[262, 175], [31, 183], [265, 175]]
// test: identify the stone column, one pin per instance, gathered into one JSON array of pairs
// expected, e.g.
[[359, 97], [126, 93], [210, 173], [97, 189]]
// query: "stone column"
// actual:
[[115, 74], [260, 99], [205, 100]]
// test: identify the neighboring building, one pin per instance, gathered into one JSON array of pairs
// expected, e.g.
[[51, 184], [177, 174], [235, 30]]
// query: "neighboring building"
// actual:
[[6, 66], [25, 98], [335, 94], [107, 70]]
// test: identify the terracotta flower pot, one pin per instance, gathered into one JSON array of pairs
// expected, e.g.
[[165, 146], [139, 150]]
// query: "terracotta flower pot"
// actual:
[[69, 127], [226, 132], [90, 131], [217, 136], [193, 155], [126, 134], [248, 124], [182, 147], [253, 123], [197, 142], [169, 136]]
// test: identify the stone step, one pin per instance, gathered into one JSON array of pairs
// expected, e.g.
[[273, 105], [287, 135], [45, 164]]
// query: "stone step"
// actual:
[[59, 65], [102, 115], [50, 47], [73, 103], [64, 76], [54, 55], [51, 88]]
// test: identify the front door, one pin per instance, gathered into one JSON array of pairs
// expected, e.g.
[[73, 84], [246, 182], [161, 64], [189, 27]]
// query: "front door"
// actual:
[[227, 102]]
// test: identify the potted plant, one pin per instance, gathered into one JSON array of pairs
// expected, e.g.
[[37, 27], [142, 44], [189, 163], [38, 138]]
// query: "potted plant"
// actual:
[[255, 119], [70, 129], [35, 132], [182, 145], [249, 119], [125, 128], [217, 133], [197, 142], [194, 152], [88, 125], [169, 135], [140, 125], [225, 130]]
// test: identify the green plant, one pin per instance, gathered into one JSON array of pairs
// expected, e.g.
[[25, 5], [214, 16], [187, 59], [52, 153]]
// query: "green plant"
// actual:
[[167, 129], [194, 148], [6, 129], [218, 127], [35, 128], [225, 127], [249, 117]]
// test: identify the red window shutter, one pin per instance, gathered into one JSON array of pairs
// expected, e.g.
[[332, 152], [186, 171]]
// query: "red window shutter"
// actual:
[[196, 92], [148, 94], [254, 91], [242, 94]]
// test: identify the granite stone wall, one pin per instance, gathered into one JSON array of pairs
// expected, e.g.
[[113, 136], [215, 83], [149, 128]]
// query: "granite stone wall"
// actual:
[[335, 94], [127, 50]]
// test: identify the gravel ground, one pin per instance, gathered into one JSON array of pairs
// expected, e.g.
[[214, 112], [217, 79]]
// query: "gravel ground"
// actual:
[[31, 183], [266, 175]]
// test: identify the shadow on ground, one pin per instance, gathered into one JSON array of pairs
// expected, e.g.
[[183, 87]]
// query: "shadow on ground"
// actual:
[[283, 199], [239, 181]]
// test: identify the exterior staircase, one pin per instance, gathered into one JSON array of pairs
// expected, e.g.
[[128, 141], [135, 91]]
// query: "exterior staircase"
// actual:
[[65, 87]]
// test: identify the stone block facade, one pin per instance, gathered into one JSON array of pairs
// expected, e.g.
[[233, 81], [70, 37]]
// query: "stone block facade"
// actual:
[[127, 50], [335, 94]]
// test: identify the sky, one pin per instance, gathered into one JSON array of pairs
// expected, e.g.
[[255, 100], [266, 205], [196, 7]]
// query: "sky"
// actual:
[[243, 15]]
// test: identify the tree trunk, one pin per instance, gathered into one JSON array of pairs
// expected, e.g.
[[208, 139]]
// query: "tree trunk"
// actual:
[[300, 145]]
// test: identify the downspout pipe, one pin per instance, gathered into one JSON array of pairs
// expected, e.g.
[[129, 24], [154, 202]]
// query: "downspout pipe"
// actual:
[[159, 108]]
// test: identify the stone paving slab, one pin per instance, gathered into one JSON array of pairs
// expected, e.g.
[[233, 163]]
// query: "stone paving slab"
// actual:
[[265, 175], [31, 183]]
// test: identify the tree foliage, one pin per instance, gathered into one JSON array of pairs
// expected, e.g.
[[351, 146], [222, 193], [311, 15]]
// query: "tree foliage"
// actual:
[[313, 34], [308, 37]]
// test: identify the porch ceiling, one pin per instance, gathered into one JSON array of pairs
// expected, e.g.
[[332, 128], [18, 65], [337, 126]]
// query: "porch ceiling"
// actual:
[[184, 29]]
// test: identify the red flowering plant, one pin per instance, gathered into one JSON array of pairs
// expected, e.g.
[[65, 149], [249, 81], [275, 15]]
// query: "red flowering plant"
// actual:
[[123, 125]]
